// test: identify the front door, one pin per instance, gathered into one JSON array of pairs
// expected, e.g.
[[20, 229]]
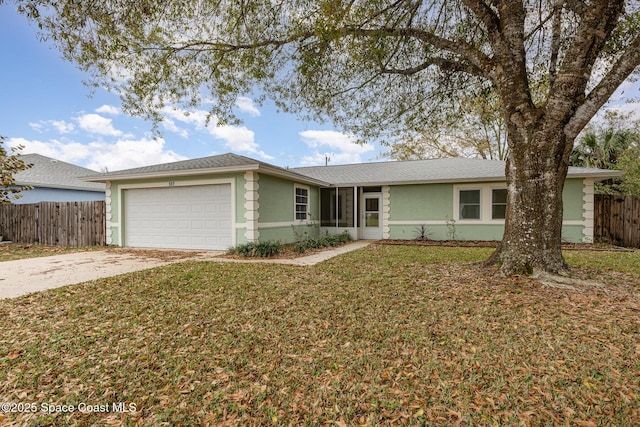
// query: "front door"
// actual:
[[371, 219]]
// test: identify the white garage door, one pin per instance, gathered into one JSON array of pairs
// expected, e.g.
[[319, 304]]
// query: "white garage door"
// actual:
[[197, 217]]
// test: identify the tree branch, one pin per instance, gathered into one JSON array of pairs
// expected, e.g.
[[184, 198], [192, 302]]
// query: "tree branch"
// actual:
[[573, 76], [446, 64], [556, 34], [485, 14], [202, 45], [620, 71], [481, 62]]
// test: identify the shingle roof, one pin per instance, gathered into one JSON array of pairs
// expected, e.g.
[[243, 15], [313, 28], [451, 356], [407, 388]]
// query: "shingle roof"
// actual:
[[52, 173], [379, 173], [228, 162], [211, 162], [456, 169]]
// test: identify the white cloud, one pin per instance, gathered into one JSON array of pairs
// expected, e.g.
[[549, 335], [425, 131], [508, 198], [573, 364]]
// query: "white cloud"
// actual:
[[98, 155], [67, 151], [198, 118], [340, 147], [246, 106], [36, 126], [96, 124], [108, 109], [61, 126], [130, 153], [170, 125], [236, 138]]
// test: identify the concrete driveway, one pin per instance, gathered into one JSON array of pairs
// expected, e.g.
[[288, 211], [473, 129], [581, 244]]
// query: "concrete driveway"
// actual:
[[24, 276]]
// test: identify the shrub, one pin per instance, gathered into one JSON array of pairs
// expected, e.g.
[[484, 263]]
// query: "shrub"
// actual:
[[257, 249], [321, 242], [423, 233]]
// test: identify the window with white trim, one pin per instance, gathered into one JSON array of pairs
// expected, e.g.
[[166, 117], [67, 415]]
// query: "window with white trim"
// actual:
[[302, 202], [469, 204], [498, 203]]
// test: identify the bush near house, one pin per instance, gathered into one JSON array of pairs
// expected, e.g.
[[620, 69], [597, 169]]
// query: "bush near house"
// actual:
[[272, 248], [264, 249], [322, 242]]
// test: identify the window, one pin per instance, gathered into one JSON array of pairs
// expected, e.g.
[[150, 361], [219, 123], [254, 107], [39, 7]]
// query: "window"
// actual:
[[372, 189], [302, 203], [336, 207], [372, 212], [327, 207], [499, 203], [469, 204]]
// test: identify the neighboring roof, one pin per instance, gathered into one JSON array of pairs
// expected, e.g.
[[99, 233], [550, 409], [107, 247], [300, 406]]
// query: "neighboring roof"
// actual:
[[222, 163], [52, 173], [457, 169]]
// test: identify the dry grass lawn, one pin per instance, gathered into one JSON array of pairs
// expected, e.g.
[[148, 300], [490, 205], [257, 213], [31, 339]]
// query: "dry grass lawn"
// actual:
[[383, 336], [14, 251]]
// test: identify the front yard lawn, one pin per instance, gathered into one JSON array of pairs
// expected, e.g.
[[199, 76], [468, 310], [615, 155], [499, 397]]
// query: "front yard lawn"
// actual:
[[383, 336], [14, 251]]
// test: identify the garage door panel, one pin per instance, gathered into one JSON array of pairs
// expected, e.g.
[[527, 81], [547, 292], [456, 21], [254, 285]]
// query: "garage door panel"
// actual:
[[192, 217]]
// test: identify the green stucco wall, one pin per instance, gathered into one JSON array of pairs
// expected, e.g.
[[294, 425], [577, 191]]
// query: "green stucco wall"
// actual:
[[570, 233], [276, 199], [433, 204], [427, 202], [572, 198], [240, 235], [277, 211], [289, 234]]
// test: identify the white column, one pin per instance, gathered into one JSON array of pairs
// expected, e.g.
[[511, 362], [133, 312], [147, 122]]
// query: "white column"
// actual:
[[251, 206], [107, 193], [356, 215], [386, 212], [587, 210]]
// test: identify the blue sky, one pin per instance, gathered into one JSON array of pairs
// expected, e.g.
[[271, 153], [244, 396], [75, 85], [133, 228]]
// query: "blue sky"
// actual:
[[45, 107]]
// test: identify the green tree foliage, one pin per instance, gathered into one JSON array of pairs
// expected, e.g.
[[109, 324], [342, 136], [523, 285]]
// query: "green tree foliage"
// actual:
[[378, 68], [613, 145], [10, 164], [629, 162]]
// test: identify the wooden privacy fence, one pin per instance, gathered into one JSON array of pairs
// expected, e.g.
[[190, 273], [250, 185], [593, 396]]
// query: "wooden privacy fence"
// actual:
[[55, 223], [617, 220]]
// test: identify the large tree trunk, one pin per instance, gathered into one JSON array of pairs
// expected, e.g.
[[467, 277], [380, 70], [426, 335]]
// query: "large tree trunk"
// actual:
[[536, 171]]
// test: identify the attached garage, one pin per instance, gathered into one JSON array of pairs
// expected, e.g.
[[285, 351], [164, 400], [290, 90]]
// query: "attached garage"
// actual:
[[182, 217]]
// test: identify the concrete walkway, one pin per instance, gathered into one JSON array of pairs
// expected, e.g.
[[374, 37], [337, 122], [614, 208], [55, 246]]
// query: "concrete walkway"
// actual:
[[21, 277]]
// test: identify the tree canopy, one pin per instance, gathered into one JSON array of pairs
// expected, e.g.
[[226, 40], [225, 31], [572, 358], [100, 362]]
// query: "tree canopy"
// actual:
[[369, 65], [378, 68]]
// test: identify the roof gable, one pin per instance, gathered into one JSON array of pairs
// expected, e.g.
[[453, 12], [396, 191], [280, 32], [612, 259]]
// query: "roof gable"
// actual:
[[52, 173], [222, 163]]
